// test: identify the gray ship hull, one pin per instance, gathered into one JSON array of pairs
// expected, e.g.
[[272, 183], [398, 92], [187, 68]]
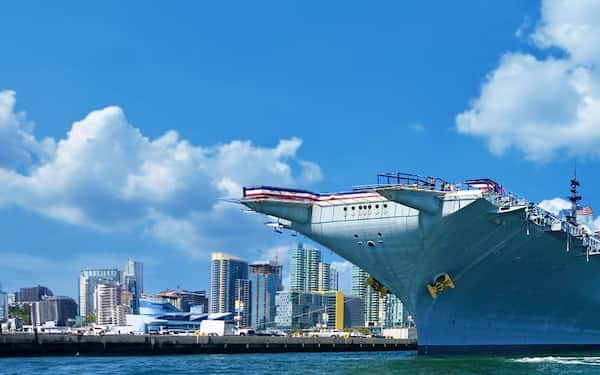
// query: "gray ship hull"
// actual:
[[516, 286]]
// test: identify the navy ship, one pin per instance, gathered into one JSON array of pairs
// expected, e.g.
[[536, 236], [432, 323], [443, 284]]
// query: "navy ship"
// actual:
[[479, 269]]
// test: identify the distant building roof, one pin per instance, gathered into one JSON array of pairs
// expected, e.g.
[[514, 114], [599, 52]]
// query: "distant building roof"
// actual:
[[224, 256]]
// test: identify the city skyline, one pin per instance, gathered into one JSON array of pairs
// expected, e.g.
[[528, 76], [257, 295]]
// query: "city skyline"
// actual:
[[253, 293], [281, 253], [124, 137]]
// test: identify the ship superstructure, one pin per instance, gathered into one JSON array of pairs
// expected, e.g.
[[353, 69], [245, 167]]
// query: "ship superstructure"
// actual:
[[476, 267]]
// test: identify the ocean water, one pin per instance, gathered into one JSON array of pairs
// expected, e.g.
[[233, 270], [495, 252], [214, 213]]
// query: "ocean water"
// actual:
[[304, 363]]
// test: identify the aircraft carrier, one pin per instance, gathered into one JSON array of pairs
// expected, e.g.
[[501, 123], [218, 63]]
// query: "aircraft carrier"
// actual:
[[479, 269]]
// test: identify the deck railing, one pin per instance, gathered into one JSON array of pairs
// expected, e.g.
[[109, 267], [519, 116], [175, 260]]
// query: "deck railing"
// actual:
[[494, 193], [549, 221]]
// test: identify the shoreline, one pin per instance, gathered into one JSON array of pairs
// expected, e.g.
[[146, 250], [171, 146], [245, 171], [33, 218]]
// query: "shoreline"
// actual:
[[20, 345]]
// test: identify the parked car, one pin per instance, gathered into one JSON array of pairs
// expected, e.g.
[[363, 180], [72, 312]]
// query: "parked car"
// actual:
[[244, 332]]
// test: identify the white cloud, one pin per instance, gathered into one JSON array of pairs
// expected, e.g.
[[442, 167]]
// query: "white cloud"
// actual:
[[545, 106], [59, 275], [344, 269], [107, 175], [555, 205], [573, 26], [343, 266], [19, 146]]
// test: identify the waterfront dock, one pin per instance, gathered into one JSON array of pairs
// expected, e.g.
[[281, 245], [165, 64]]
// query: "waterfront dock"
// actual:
[[56, 344]]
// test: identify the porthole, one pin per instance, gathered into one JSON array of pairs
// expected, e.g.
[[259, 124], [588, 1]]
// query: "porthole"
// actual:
[[356, 236], [345, 208], [370, 243], [369, 207], [376, 206], [385, 205], [353, 208], [379, 234]]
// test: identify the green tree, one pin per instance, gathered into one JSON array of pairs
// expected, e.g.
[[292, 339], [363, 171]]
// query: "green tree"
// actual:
[[22, 312], [90, 318]]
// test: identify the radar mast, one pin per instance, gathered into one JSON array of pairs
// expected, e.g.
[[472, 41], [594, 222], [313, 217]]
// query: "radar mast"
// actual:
[[574, 198]]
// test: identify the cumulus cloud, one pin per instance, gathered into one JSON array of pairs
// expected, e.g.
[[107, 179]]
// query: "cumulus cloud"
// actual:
[[544, 106], [107, 175], [27, 269], [343, 266], [19, 146], [555, 205]]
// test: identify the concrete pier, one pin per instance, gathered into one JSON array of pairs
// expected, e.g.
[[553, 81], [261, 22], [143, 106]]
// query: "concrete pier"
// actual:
[[56, 344]]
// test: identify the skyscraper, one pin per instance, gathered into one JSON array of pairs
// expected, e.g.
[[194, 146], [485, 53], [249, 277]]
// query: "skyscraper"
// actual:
[[359, 281], [265, 281], [394, 312], [108, 307], [374, 308], [88, 279], [333, 310], [369, 296], [241, 303], [3, 306], [304, 273], [334, 279], [136, 269], [133, 282], [323, 277], [224, 270], [386, 312]]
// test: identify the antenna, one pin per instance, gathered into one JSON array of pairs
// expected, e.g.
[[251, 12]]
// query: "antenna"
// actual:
[[575, 197]]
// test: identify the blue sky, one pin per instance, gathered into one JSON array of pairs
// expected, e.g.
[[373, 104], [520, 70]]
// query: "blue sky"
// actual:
[[121, 124]]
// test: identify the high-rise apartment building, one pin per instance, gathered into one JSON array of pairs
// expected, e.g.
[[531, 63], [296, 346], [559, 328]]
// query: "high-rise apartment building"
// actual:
[[324, 277], [394, 312], [359, 281], [88, 280], [132, 281], [333, 310], [224, 270], [384, 312], [298, 310], [370, 297], [242, 307], [108, 299], [265, 282], [304, 272], [334, 279], [57, 309]]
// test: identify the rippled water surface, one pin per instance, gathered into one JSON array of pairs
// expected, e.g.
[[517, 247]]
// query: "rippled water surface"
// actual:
[[304, 363]]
